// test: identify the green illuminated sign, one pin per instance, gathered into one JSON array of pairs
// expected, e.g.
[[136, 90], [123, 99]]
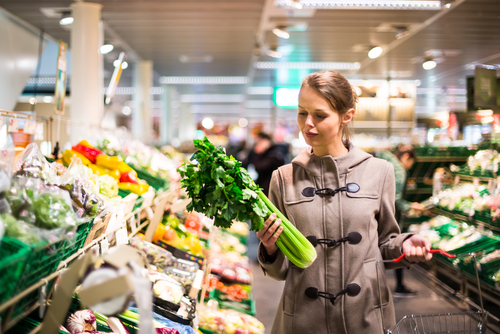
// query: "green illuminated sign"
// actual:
[[286, 97]]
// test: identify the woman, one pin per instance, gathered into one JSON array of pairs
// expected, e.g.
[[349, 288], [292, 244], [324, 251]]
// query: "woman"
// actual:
[[326, 107]]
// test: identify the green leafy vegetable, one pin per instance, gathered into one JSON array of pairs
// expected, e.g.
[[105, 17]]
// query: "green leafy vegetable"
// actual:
[[224, 191], [18, 229], [52, 211]]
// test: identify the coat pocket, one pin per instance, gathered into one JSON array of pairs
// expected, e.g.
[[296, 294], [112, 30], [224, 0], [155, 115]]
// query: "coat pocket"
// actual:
[[291, 290], [376, 281]]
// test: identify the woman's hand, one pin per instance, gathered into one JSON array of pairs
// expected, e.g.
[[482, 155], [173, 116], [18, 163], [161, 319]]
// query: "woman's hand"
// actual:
[[269, 235], [417, 249]]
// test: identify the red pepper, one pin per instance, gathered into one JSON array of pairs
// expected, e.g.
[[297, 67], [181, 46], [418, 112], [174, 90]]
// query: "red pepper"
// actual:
[[87, 152], [129, 177]]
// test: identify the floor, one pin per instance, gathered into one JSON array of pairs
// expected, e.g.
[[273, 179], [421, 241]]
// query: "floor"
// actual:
[[267, 293]]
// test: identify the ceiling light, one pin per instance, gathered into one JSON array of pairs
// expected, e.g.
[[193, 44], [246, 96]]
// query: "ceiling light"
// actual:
[[204, 80], [195, 59], [260, 90], [364, 4], [124, 65], [281, 32], [290, 3], [48, 99], [375, 52], [212, 98], [429, 64], [106, 48], [32, 101], [243, 122], [274, 53], [116, 63], [126, 110], [66, 19], [207, 123], [263, 65]]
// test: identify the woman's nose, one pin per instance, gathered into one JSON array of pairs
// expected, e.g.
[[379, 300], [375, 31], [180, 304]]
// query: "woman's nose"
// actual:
[[309, 121]]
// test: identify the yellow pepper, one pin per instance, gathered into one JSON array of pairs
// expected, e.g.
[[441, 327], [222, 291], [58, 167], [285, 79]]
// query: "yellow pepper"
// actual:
[[113, 163], [98, 170], [138, 189], [68, 154]]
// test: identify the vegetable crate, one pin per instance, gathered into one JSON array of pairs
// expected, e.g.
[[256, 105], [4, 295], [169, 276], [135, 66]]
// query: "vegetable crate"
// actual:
[[245, 306], [12, 262], [138, 203], [73, 245], [155, 182], [26, 325]]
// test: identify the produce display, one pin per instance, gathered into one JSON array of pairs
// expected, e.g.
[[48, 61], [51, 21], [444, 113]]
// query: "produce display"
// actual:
[[214, 320], [483, 163], [224, 191]]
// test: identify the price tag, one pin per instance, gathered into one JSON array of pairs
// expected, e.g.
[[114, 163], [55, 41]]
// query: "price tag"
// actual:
[[104, 246], [30, 127], [13, 125], [95, 249], [120, 215], [150, 212], [42, 298], [121, 237], [475, 181]]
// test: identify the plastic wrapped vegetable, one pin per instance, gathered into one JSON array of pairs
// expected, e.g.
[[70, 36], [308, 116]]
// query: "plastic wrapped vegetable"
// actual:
[[33, 164], [18, 229], [86, 203], [108, 186], [156, 256]]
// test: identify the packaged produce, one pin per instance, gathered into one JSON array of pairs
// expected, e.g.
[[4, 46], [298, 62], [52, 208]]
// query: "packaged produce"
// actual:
[[186, 278], [186, 265], [228, 321], [158, 257], [18, 229], [161, 321], [166, 288], [108, 186], [86, 203], [224, 191], [33, 164]]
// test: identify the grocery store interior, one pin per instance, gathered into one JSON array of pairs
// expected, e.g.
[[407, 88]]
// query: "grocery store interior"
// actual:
[[103, 104]]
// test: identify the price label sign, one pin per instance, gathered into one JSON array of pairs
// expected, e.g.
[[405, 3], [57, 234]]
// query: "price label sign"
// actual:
[[30, 127], [121, 237], [13, 125], [104, 246]]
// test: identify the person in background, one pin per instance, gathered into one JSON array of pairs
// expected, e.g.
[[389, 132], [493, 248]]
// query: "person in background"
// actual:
[[402, 159], [266, 158]]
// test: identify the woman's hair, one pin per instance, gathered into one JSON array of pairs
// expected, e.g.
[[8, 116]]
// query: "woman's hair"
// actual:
[[263, 135], [403, 149], [336, 89]]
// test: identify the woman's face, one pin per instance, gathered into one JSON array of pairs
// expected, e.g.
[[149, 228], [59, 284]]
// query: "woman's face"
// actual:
[[318, 121]]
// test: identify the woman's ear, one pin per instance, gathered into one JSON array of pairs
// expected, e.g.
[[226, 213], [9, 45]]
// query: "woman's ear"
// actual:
[[349, 115]]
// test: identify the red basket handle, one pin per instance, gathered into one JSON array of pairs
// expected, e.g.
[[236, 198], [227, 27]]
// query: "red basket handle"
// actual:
[[440, 251]]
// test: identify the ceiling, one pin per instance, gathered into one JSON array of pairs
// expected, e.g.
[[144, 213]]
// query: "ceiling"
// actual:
[[237, 33]]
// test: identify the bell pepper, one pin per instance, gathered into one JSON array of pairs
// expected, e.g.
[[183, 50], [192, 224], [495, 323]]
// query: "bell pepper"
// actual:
[[69, 154], [129, 177], [98, 170], [114, 163], [88, 152], [138, 189]]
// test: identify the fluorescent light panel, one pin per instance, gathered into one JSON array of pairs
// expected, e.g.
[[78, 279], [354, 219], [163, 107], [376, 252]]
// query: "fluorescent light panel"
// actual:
[[263, 65], [260, 90], [212, 98], [204, 80], [42, 81], [259, 104], [359, 4]]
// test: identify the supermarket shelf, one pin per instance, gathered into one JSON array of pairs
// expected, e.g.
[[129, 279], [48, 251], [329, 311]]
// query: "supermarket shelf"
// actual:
[[465, 218], [441, 159], [472, 177], [419, 191]]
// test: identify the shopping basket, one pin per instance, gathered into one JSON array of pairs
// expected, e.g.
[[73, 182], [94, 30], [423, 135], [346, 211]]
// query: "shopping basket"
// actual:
[[450, 323]]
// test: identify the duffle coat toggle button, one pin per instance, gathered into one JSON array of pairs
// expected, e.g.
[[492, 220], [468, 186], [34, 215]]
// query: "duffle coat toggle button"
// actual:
[[352, 290], [352, 238], [311, 192]]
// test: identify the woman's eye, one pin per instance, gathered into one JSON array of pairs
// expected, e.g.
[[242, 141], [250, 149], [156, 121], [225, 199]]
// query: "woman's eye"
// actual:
[[302, 113], [321, 116]]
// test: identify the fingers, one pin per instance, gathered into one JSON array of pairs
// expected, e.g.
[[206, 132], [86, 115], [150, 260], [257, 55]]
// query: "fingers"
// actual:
[[269, 221], [270, 233]]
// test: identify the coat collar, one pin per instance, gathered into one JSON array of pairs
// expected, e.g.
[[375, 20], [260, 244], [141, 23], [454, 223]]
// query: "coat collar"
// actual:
[[307, 160]]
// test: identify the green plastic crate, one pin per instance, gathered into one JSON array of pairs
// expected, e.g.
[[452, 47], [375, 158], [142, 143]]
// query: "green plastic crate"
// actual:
[[246, 306], [26, 325], [12, 262], [74, 244], [153, 181]]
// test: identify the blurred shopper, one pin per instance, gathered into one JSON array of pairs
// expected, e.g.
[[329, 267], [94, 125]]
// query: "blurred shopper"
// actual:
[[266, 157], [402, 160], [334, 191]]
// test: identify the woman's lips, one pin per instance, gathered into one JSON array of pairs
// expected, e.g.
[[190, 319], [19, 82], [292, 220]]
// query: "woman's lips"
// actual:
[[310, 134]]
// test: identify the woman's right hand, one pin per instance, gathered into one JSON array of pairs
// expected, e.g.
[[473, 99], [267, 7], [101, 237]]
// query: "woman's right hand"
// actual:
[[270, 233]]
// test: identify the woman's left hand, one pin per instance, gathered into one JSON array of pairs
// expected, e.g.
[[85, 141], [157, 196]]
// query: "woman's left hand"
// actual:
[[417, 249]]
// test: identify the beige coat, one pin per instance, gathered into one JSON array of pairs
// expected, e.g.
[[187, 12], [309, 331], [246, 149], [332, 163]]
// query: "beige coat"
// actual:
[[369, 212]]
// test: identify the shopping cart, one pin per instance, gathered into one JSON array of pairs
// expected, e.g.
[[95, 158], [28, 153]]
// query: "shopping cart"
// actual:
[[450, 323]]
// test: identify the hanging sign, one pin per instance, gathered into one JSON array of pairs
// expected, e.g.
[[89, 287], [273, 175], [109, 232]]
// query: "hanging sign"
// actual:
[[485, 87], [60, 91], [30, 127], [13, 125]]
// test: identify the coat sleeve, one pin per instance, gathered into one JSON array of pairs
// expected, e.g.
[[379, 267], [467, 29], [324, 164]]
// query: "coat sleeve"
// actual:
[[390, 239], [276, 267]]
